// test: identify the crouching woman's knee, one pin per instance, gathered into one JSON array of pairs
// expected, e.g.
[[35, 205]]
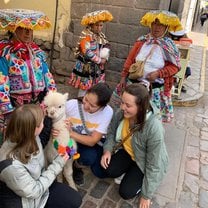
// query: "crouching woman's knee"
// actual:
[[126, 193]]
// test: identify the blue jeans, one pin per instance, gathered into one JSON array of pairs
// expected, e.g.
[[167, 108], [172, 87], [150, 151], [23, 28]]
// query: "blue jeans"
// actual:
[[91, 156]]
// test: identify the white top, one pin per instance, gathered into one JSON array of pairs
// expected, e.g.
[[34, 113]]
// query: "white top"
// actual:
[[97, 121], [154, 62]]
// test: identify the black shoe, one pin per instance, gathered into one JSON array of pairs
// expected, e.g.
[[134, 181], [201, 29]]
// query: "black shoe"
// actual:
[[183, 89], [78, 175]]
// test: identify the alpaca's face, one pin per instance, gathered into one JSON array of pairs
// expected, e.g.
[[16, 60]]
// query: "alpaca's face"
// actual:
[[55, 110], [55, 104]]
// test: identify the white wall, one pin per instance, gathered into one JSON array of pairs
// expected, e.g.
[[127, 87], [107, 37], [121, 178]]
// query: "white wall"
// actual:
[[48, 7]]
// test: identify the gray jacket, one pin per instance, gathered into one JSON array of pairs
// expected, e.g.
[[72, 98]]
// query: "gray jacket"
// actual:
[[149, 150], [30, 181]]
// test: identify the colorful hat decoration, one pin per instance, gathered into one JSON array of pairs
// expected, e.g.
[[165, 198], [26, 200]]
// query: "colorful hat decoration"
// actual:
[[10, 19], [96, 16], [165, 17]]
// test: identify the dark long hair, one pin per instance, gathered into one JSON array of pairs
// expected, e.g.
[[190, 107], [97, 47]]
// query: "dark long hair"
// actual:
[[21, 130], [103, 93], [142, 95]]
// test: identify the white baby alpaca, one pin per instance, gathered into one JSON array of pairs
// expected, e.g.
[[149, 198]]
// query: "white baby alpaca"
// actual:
[[105, 53], [55, 108]]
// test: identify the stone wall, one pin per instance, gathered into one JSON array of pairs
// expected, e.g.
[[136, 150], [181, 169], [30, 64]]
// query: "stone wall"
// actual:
[[121, 32]]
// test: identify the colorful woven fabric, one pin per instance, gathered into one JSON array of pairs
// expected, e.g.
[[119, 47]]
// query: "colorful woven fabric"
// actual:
[[96, 16], [165, 17], [10, 19]]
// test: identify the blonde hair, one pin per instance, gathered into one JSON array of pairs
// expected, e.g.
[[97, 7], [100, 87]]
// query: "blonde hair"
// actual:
[[21, 130]]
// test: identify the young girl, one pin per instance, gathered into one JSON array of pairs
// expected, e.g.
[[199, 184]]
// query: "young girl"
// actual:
[[24, 180], [143, 157], [92, 52]]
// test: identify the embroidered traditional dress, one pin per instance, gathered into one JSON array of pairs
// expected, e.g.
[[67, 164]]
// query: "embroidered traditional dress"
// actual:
[[161, 94], [24, 77], [24, 74], [166, 61], [88, 69]]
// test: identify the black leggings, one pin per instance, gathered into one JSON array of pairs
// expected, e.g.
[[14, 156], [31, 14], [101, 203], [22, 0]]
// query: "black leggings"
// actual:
[[60, 196], [63, 196], [131, 184]]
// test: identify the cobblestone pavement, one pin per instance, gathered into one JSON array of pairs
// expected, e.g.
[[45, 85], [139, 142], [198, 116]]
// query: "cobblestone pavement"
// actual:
[[195, 184]]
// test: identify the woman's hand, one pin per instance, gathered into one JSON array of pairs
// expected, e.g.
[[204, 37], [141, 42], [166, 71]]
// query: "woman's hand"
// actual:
[[68, 125], [144, 203], [65, 156], [103, 61], [123, 82], [55, 132], [152, 76], [105, 160]]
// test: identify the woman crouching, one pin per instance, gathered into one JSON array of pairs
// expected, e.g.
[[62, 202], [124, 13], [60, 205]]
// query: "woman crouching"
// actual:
[[142, 157]]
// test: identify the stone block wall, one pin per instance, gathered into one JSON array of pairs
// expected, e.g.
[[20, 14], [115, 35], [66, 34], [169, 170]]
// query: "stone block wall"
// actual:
[[121, 32]]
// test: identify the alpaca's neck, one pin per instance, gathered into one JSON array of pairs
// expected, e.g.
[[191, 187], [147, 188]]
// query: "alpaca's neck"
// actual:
[[59, 118], [59, 124]]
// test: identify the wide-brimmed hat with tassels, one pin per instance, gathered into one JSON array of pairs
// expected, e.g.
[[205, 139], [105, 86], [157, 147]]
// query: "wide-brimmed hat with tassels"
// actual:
[[165, 17], [10, 19], [96, 16]]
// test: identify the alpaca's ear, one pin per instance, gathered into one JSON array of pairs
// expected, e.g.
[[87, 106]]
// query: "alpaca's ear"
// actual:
[[66, 96]]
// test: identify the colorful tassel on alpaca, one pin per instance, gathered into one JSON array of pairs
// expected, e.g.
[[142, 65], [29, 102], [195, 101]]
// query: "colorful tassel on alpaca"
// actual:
[[71, 151]]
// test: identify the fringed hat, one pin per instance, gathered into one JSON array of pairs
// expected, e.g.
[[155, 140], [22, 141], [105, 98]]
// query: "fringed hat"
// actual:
[[165, 17], [10, 19], [96, 16]]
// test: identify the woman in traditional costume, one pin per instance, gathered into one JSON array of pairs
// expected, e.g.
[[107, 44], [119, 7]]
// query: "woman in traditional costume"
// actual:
[[24, 73], [92, 52], [160, 57]]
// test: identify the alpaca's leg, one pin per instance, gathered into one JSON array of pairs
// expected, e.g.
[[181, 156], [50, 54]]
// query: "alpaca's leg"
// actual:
[[60, 177], [50, 152], [68, 174]]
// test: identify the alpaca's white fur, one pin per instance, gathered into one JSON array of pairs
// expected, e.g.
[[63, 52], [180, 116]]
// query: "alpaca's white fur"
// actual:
[[55, 107], [105, 53]]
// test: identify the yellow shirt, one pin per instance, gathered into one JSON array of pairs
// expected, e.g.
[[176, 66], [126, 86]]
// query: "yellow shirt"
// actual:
[[127, 144]]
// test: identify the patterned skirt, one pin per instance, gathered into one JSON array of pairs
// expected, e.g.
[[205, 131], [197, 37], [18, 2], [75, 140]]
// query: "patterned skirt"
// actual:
[[84, 80], [164, 103]]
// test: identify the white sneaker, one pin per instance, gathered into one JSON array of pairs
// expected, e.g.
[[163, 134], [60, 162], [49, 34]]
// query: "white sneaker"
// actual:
[[119, 179]]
